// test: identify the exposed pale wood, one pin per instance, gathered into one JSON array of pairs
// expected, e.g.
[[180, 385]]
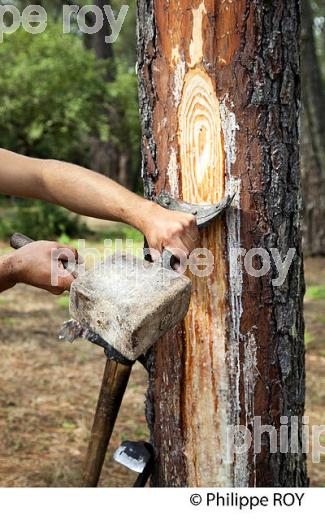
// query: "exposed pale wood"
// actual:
[[203, 179]]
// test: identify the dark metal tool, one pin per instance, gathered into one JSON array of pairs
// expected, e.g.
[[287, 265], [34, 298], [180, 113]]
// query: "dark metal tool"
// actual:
[[205, 214], [138, 457]]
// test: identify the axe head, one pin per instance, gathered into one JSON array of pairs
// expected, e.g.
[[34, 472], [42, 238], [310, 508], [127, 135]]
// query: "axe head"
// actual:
[[130, 303], [134, 455]]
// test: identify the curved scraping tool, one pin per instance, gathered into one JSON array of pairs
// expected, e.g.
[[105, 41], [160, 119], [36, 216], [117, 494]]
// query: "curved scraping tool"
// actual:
[[204, 213]]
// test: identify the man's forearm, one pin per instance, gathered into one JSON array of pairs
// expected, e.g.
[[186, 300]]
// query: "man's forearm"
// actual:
[[76, 188], [7, 278], [89, 193]]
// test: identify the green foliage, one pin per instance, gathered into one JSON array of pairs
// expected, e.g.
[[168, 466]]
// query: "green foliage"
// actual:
[[120, 231], [49, 85], [69, 425], [122, 94], [63, 302], [122, 103], [54, 100], [55, 97], [308, 338], [126, 44], [316, 292], [40, 221]]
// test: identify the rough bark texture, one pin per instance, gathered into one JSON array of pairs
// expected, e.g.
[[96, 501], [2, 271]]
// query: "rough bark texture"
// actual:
[[312, 140], [219, 96]]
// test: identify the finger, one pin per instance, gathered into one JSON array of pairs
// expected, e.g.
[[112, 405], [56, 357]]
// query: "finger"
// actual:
[[189, 243], [64, 256], [154, 253], [195, 234], [179, 246], [181, 253], [67, 252], [192, 238], [192, 235], [64, 282], [154, 248]]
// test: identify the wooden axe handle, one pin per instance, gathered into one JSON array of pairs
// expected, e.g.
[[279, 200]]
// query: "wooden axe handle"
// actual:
[[115, 380]]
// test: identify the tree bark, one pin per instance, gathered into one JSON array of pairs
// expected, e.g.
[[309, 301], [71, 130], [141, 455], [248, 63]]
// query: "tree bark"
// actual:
[[219, 88], [312, 139]]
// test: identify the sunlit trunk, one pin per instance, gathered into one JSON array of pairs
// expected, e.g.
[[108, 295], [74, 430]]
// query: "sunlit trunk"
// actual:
[[219, 98]]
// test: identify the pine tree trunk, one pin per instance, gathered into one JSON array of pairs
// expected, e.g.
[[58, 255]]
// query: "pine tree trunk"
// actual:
[[219, 97], [312, 140]]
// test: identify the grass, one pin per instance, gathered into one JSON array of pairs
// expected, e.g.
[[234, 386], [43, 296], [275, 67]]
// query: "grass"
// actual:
[[63, 302], [316, 292], [68, 425], [308, 338], [9, 322]]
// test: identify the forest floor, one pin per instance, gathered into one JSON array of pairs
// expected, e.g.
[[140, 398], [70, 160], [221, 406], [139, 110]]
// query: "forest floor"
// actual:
[[49, 389]]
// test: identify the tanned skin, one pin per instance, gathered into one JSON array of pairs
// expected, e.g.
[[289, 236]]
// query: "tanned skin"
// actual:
[[86, 193]]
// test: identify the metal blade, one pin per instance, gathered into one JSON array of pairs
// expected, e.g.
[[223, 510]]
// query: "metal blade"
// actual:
[[204, 213], [72, 330], [134, 455]]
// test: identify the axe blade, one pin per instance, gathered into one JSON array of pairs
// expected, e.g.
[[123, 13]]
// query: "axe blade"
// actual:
[[134, 455]]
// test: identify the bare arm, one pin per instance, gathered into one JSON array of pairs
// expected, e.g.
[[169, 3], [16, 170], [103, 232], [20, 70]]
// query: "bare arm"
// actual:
[[88, 193], [6, 273]]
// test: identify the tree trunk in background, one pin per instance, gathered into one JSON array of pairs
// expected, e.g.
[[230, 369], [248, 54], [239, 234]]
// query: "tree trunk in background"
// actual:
[[219, 97], [312, 139], [105, 154]]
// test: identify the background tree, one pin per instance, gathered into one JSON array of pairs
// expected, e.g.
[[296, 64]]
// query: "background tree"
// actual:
[[313, 130]]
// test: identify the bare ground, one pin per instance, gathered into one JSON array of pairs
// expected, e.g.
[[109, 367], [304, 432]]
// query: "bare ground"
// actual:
[[48, 394], [48, 391]]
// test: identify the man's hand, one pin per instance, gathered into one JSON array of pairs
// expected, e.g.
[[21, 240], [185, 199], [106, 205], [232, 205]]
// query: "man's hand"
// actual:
[[38, 264], [170, 230]]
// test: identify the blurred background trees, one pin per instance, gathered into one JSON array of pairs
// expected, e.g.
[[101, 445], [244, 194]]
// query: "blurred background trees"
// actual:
[[73, 97], [313, 125]]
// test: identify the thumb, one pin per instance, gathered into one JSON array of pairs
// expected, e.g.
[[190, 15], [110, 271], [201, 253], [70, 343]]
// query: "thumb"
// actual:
[[65, 280]]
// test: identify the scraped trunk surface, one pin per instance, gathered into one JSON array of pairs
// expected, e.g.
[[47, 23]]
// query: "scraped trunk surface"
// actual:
[[219, 95]]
